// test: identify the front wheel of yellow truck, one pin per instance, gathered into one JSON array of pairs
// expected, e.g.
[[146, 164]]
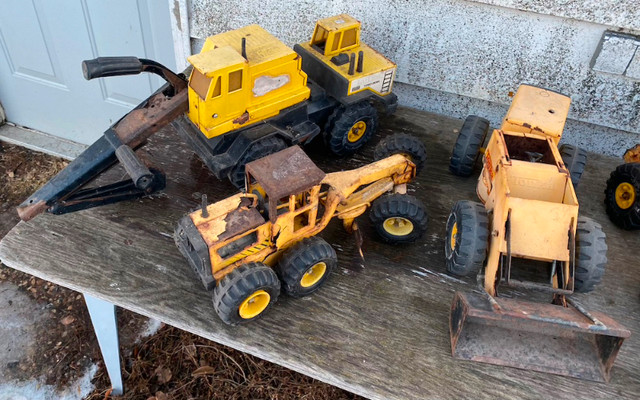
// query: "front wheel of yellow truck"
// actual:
[[246, 293], [306, 266]]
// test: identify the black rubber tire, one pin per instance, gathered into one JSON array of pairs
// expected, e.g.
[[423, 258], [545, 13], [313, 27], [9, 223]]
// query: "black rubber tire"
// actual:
[[239, 284], [257, 150], [340, 122], [472, 238], [467, 147], [297, 260], [401, 143], [628, 218], [575, 159], [591, 255], [399, 205]]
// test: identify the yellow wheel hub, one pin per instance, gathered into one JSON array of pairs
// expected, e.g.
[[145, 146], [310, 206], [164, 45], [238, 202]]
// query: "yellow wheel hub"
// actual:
[[398, 226], [357, 131], [313, 274], [454, 233], [253, 305], [625, 195]]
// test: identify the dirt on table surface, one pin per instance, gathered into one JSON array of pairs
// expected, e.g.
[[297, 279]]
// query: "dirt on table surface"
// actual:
[[170, 364]]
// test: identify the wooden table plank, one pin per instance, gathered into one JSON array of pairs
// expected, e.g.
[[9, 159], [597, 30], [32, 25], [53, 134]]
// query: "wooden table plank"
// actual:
[[378, 328]]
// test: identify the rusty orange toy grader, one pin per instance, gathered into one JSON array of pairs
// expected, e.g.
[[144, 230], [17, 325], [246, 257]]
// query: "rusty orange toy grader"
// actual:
[[244, 246], [529, 211]]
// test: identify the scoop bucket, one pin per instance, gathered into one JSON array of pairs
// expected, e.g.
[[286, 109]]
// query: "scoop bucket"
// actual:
[[541, 337]]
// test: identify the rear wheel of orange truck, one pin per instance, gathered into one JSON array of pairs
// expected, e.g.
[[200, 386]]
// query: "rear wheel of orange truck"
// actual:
[[246, 293], [468, 144], [467, 238], [575, 159]]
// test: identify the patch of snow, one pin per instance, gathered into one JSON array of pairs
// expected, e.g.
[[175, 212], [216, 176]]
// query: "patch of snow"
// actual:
[[418, 272], [161, 268], [153, 326], [37, 390]]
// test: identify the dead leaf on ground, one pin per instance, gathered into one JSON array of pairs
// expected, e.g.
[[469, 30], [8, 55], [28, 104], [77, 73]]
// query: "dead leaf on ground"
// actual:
[[163, 373], [159, 396], [67, 320]]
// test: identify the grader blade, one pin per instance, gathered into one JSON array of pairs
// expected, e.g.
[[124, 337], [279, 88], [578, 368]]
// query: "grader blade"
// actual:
[[541, 337]]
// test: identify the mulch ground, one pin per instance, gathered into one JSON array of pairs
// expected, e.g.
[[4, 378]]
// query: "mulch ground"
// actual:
[[171, 364]]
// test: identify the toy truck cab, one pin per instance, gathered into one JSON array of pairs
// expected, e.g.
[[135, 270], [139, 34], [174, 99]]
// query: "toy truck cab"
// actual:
[[241, 77], [346, 68], [280, 204]]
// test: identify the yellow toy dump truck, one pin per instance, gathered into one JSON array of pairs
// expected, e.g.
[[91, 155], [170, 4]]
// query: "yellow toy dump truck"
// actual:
[[527, 222], [248, 95], [622, 195], [243, 247]]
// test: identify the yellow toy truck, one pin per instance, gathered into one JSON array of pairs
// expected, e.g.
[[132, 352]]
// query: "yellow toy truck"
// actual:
[[244, 246], [248, 95], [527, 222], [622, 195]]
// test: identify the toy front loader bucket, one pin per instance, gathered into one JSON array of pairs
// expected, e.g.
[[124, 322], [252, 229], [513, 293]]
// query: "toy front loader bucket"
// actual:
[[540, 337]]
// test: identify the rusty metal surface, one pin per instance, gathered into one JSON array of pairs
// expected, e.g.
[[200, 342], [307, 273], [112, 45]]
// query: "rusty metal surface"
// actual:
[[632, 155], [140, 123], [242, 219], [286, 172], [536, 336], [28, 212]]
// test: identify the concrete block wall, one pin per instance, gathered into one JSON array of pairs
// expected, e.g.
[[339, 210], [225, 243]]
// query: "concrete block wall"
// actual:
[[460, 57]]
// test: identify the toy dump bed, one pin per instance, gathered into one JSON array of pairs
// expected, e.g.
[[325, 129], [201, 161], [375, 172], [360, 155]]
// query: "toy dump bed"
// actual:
[[534, 192]]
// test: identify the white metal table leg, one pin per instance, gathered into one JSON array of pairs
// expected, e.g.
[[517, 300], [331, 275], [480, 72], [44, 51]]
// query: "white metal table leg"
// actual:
[[103, 318]]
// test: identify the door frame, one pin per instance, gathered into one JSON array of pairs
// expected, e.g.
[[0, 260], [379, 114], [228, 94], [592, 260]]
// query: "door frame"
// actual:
[[179, 15]]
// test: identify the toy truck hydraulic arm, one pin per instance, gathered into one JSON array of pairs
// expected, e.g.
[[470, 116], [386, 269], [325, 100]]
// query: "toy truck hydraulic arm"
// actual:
[[64, 193]]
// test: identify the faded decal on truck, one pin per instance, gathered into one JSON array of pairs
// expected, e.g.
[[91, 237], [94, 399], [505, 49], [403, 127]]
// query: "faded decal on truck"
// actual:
[[265, 84], [379, 82]]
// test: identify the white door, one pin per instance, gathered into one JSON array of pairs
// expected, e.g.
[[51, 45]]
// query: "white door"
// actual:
[[43, 43]]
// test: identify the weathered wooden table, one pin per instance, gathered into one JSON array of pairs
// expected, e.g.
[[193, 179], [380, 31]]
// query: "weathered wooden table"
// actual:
[[378, 328]]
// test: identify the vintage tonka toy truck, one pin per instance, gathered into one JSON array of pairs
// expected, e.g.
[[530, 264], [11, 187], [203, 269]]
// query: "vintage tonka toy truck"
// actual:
[[528, 221], [246, 246]]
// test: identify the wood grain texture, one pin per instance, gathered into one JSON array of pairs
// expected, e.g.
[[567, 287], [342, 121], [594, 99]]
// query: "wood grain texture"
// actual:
[[378, 328]]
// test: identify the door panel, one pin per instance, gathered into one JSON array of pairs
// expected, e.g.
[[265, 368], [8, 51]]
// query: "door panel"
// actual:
[[43, 44]]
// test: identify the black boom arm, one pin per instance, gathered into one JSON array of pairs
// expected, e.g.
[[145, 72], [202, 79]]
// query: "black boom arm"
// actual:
[[64, 192]]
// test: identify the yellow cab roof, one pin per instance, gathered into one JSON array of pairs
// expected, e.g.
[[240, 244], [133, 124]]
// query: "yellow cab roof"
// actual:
[[337, 22], [539, 109], [211, 61], [261, 47]]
